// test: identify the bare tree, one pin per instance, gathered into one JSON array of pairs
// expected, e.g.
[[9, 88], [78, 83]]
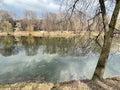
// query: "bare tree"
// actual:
[[109, 33], [6, 16], [49, 21], [30, 21], [108, 28]]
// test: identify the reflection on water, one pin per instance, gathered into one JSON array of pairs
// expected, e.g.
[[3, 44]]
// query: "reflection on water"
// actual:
[[52, 59]]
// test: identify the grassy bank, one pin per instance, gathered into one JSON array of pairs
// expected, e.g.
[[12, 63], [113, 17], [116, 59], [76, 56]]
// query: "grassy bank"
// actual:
[[66, 34], [107, 84]]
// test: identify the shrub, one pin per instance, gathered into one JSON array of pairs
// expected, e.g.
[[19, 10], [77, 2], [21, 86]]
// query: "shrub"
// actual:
[[5, 26]]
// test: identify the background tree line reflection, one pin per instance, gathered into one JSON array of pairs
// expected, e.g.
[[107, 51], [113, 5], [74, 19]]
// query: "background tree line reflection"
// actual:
[[10, 45]]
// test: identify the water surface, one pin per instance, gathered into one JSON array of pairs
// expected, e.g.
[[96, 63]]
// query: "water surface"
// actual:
[[53, 59]]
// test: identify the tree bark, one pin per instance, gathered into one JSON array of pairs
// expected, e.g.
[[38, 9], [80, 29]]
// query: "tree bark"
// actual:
[[109, 29]]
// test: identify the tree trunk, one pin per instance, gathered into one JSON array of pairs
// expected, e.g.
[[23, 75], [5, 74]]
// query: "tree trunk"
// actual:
[[99, 71]]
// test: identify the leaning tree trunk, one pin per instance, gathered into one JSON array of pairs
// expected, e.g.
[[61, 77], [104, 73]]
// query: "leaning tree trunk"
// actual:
[[109, 30]]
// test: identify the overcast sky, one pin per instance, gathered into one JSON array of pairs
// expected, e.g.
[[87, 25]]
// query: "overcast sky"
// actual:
[[39, 6]]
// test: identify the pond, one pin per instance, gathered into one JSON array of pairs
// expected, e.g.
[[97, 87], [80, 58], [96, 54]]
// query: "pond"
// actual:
[[50, 59]]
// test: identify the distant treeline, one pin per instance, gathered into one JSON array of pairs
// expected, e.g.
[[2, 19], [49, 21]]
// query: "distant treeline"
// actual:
[[9, 22]]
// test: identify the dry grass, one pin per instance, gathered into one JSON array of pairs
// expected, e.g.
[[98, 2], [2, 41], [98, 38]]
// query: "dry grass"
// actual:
[[66, 34], [108, 84]]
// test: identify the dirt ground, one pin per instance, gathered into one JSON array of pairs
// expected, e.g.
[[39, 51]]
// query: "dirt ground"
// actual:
[[107, 84]]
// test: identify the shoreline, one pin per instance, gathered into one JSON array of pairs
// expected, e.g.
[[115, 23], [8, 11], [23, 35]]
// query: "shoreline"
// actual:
[[106, 84], [67, 34]]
